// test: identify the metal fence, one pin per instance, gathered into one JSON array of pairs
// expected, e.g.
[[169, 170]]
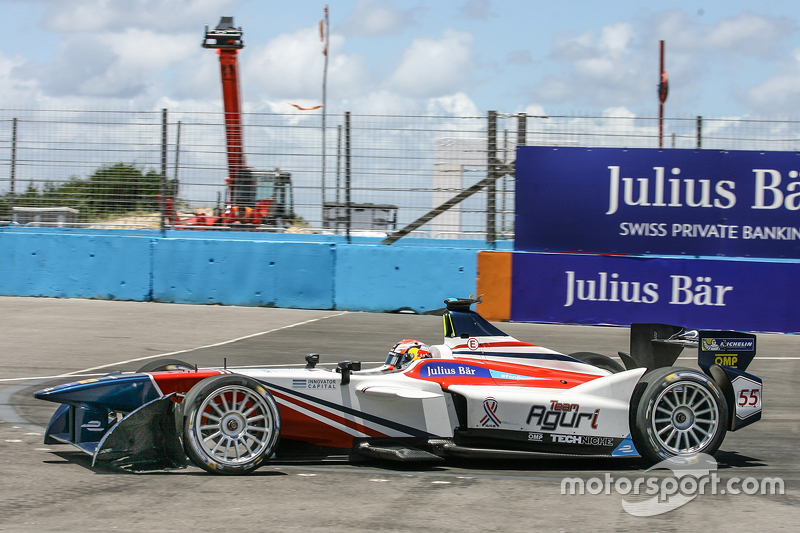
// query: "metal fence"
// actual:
[[416, 176]]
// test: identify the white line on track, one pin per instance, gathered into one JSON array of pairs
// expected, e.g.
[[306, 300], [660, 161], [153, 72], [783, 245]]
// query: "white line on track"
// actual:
[[86, 371], [8, 413], [209, 345]]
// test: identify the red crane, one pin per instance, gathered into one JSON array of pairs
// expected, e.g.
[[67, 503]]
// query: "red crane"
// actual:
[[253, 198]]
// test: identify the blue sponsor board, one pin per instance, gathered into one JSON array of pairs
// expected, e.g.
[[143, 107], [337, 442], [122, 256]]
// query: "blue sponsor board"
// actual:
[[663, 202], [745, 295]]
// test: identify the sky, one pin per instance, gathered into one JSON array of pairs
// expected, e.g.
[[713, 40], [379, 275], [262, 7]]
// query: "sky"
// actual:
[[725, 58]]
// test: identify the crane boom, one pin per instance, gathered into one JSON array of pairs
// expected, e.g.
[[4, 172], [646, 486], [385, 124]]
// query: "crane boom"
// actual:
[[227, 40]]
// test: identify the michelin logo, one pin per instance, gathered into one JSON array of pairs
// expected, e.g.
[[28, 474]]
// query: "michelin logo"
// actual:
[[728, 345]]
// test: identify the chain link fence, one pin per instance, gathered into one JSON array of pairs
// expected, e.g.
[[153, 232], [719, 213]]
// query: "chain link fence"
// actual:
[[410, 176]]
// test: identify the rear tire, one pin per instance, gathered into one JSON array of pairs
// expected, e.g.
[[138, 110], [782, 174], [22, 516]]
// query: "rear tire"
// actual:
[[599, 360], [681, 413], [231, 424]]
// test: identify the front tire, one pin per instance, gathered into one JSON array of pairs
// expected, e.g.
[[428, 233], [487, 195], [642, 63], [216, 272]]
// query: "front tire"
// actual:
[[681, 413], [599, 360], [231, 424], [160, 365]]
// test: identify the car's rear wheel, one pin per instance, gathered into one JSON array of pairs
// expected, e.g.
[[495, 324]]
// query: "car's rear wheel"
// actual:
[[681, 413], [598, 360], [231, 424], [159, 365]]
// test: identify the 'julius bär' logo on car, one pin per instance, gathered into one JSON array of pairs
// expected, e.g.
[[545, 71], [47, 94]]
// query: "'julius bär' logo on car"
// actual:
[[435, 369]]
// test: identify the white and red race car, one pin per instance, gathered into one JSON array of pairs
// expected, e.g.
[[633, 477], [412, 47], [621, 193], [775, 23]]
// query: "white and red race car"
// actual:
[[480, 394]]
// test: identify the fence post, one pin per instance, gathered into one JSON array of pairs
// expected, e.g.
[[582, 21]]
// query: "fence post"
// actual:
[[699, 132], [163, 168], [174, 189], [338, 164], [522, 136], [13, 166], [491, 188], [347, 170]]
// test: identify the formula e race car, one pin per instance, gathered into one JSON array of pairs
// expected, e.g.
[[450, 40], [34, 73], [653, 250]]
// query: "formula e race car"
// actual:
[[480, 394]]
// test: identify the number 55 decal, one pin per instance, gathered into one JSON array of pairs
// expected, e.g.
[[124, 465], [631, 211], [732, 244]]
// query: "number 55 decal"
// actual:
[[748, 397]]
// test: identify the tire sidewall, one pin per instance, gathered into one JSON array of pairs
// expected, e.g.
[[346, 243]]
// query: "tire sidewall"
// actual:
[[599, 360], [191, 441], [160, 365], [657, 381]]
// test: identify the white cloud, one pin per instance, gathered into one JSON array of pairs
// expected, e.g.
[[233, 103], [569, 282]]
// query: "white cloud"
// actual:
[[604, 69], [115, 65], [747, 33], [386, 102], [617, 65], [431, 67], [780, 94], [291, 66], [198, 78], [618, 112], [534, 110], [13, 88], [373, 18], [123, 53], [116, 52], [165, 16], [458, 104], [519, 57], [382, 102], [477, 10]]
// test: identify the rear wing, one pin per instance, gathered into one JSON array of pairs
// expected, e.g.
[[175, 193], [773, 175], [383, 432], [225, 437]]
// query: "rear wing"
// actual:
[[659, 345], [723, 355]]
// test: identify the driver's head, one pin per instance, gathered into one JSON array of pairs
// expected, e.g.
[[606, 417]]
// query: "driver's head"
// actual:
[[406, 351]]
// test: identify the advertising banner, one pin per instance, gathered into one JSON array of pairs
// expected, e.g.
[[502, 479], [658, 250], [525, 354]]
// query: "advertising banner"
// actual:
[[663, 202], [744, 295]]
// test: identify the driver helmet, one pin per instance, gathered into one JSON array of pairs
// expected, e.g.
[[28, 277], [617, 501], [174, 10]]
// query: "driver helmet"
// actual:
[[405, 352]]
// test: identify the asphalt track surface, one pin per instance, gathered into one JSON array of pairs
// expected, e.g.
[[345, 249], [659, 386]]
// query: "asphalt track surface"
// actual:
[[52, 488]]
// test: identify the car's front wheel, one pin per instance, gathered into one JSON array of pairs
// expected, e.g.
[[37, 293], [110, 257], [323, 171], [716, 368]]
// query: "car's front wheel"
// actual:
[[599, 360], [231, 424], [681, 413], [160, 365]]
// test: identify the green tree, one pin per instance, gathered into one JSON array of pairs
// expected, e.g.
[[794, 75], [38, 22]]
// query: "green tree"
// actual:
[[111, 190]]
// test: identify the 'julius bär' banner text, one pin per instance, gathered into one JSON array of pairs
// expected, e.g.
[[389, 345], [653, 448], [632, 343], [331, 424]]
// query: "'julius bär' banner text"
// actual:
[[664, 202]]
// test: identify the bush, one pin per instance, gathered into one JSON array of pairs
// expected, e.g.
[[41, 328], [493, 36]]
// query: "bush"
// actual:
[[111, 191]]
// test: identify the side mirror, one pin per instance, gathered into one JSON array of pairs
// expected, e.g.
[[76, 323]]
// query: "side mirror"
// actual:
[[345, 367], [311, 360]]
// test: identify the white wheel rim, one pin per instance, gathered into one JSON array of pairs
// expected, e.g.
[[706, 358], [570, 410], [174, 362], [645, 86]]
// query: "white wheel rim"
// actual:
[[685, 418], [234, 425]]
